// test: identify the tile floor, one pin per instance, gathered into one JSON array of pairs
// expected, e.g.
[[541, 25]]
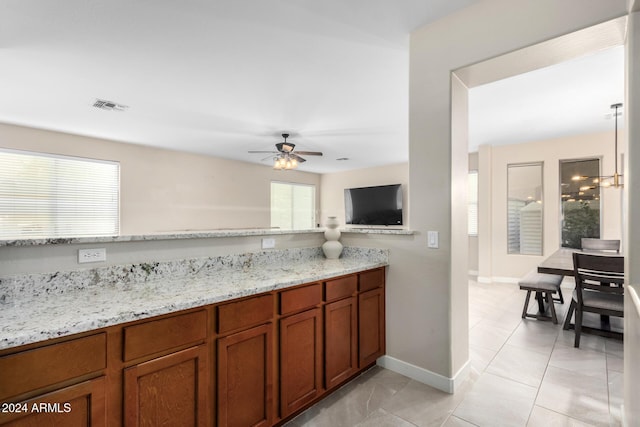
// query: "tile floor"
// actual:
[[523, 373]]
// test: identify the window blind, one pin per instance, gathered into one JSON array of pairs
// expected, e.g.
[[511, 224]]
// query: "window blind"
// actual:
[[43, 195]]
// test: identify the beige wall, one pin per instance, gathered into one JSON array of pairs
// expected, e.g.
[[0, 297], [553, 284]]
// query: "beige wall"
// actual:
[[510, 267], [426, 288], [164, 190]]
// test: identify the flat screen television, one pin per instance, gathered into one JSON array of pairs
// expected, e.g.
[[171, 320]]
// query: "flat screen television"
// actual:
[[380, 205]]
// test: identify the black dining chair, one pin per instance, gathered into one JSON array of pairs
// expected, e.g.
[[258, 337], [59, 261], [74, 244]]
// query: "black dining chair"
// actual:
[[599, 289], [590, 244]]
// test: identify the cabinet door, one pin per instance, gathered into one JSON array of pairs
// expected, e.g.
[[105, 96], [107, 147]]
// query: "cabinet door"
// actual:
[[371, 326], [169, 390], [245, 378], [300, 359], [79, 405], [341, 340]]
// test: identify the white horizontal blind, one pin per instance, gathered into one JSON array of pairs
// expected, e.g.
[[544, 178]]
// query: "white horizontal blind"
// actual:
[[472, 213], [44, 196]]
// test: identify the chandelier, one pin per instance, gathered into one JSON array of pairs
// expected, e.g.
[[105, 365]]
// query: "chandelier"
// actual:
[[614, 180]]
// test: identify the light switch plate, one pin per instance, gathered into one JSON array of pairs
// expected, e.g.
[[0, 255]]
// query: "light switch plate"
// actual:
[[432, 239], [92, 255], [268, 243]]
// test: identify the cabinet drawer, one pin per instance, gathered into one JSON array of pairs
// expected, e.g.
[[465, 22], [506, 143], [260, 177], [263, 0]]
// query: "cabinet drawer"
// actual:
[[300, 298], [41, 367], [371, 279], [341, 288], [164, 334], [245, 313]]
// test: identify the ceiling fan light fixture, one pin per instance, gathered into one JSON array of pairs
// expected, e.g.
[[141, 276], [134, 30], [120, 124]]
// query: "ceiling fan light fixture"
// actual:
[[284, 161], [287, 147], [285, 157]]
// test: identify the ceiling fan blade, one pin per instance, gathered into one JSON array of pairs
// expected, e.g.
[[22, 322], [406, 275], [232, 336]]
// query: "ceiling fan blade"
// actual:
[[298, 158], [309, 153]]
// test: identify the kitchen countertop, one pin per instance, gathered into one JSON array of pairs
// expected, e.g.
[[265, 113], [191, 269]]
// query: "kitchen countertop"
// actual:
[[192, 234], [177, 235], [38, 307]]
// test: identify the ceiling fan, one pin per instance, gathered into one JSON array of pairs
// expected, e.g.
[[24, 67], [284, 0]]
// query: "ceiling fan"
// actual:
[[285, 157]]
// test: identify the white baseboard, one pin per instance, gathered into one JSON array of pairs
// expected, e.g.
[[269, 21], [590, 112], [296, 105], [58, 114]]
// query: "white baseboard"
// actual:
[[425, 376], [506, 279], [497, 279]]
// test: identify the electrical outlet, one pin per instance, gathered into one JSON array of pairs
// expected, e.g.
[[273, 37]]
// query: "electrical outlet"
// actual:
[[268, 243], [92, 255]]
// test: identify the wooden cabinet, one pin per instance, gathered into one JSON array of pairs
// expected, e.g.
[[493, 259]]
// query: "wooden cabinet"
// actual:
[[245, 378], [32, 370], [245, 362], [253, 361], [51, 385], [340, 341], [169, 390], [79, 405], [148, 338], [300, 360], [371, 335]]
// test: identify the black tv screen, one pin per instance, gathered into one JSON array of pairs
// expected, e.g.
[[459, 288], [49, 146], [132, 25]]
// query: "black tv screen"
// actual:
[[381, 205]]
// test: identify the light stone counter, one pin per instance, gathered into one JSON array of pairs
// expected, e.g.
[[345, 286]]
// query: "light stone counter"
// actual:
[[178, 235], [189, 234], [37, 307]]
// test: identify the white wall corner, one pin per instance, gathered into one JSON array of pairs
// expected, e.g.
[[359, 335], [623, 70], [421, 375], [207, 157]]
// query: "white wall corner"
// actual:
[[473, 272], [425, 376]]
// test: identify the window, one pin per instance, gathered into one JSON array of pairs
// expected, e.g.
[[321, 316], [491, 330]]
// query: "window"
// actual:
[[473, 203], [524, 209], [579, 201], [44, 196], [293, 206]]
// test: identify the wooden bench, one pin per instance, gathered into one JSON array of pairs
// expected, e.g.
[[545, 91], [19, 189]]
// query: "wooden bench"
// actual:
[[544, 285]]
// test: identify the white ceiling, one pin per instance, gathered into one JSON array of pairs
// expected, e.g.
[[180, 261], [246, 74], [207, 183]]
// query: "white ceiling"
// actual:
[[222, 77], [570, 98]]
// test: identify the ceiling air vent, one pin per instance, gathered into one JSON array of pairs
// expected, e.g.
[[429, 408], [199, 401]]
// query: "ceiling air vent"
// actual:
[[109, 105]]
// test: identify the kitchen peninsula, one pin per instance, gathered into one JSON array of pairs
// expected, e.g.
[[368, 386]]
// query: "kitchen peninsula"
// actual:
[[244, 339]]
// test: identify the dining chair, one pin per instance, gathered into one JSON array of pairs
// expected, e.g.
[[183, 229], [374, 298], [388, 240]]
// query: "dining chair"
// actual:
[[600, 244], [599, 289]]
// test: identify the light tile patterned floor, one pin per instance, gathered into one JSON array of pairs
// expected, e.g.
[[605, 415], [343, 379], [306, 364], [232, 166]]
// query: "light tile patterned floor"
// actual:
[[523, 373]]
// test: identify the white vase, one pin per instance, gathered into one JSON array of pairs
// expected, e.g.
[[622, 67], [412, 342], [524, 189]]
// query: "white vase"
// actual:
[[332, 248]]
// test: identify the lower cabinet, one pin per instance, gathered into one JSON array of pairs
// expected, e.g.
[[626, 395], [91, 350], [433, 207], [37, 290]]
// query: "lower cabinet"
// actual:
[[341, 340], [371, 340], [245, 378], [162, 372], [79, 405], [300, 360], [169, 390]]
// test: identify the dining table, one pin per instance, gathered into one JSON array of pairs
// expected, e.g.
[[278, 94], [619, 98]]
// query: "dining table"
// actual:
[[561, 262]]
